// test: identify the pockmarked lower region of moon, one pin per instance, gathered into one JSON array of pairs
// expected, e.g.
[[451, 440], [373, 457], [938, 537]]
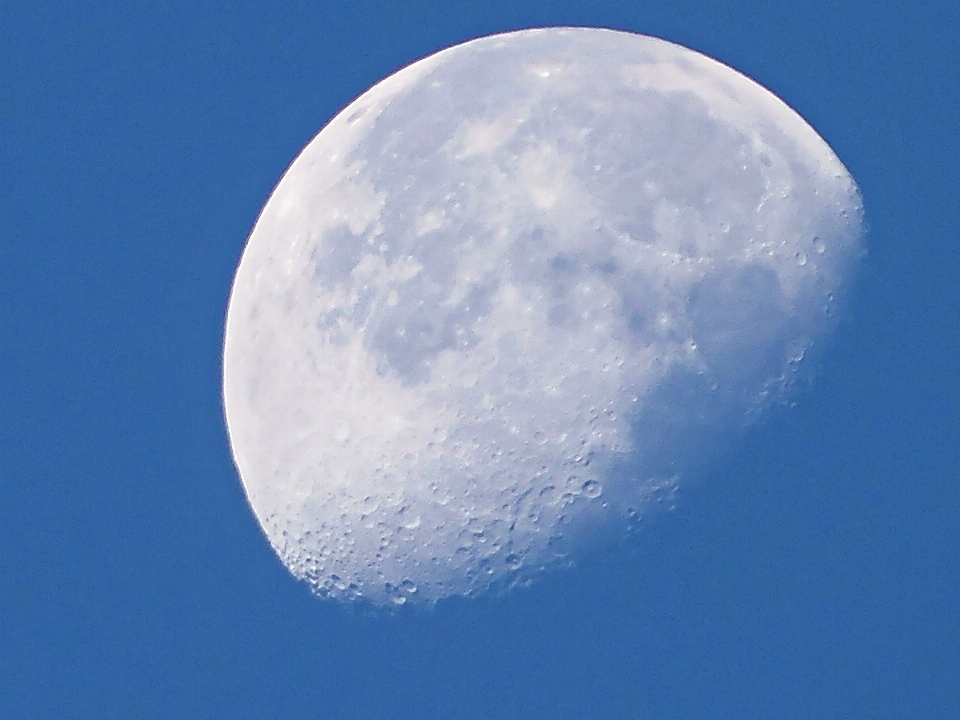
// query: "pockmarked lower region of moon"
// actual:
[[511, 295]]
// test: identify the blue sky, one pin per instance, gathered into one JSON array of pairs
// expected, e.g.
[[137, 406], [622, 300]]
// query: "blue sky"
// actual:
[[814, 572]]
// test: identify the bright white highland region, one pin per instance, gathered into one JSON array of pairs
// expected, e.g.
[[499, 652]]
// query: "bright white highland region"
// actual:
[[510, 294]]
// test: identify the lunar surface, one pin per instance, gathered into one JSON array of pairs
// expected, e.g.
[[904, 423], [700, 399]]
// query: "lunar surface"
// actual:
[[513, 294]]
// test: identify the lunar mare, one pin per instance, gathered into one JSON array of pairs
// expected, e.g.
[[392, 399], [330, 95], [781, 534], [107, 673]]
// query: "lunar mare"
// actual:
[[514, 292]]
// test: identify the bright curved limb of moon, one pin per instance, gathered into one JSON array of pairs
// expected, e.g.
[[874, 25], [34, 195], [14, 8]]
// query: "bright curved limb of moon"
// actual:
[[512, 292]]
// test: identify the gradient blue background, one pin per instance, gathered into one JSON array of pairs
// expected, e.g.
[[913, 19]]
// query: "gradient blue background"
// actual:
[[813, 573]]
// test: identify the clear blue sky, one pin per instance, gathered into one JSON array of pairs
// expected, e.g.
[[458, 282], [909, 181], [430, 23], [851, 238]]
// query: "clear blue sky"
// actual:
[[813, 573]]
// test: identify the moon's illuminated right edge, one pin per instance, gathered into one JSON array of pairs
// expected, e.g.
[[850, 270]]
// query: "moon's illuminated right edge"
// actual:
[[510, 294]]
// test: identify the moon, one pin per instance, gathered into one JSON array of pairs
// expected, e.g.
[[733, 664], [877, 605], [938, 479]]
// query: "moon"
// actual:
[[512, 295]]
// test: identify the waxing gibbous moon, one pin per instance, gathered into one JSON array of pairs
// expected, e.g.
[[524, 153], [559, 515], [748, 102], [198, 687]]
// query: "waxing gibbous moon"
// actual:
[[513, 293]]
